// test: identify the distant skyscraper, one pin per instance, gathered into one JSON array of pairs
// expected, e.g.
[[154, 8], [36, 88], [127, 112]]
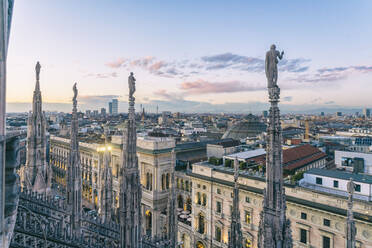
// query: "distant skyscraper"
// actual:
[[115, 104], [110, 108], [103, 111], [95, 112], [321, 113], [366, 113], [87, 113], [264, 113]]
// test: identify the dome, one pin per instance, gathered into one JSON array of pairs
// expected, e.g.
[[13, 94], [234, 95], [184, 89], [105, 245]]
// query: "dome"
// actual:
[[250, 126]]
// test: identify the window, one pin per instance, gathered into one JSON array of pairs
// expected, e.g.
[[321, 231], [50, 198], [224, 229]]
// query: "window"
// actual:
[[201, 224], [326, 222], [247, 199], [326, 242], [335, 184], [357, 187], [232, 194], [319, 180], [219, 191], [204, 187], [247, 217], [204, 200], [219, 207], [303, 236], [304, 216], [199, 186], [248, 243], [346, 161], [218, 233], [198, 198]]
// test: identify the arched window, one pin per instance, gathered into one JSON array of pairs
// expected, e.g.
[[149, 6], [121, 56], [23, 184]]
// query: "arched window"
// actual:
[[248, 243], [163, 182], [148, 222], [188, 205], [147, 181], [218, 233], [167, 181], [199, 244], [204, 200], [180, 201], [187, 186], [151, 181], [198, 198], [201, 222]]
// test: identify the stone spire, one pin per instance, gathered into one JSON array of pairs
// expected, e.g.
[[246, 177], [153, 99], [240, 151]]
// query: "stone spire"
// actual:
[[172, 213], [350, 223], [106, 183], [74, 183], [130, 185], [236, 237], [274, 229], [37, 173]]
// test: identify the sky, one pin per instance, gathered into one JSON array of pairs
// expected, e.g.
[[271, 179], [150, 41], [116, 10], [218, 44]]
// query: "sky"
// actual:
[[191, 56]]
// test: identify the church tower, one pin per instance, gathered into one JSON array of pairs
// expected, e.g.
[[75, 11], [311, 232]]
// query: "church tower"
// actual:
[[106, 183], [130, 185], [74, 183], [37, 172], [274, 228], [236, 237]]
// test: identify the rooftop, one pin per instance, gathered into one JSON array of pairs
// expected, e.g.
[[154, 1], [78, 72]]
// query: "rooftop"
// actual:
[[247, 154], [361, 178]]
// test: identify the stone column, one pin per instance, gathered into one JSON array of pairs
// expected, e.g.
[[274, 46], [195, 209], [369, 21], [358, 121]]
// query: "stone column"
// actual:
[[6, 9]]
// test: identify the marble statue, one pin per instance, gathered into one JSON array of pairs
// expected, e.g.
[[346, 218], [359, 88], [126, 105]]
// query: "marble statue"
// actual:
[[132, 86], [37, 69], [271, 66], [75, 92]]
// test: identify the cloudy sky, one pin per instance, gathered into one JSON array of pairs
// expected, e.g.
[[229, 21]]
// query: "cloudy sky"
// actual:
[[191, 55]]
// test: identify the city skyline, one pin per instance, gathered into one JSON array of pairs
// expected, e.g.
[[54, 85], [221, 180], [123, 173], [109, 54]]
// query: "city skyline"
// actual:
[[178, 66]]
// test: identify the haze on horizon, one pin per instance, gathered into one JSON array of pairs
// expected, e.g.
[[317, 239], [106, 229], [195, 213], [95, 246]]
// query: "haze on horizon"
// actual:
[[191, 56]]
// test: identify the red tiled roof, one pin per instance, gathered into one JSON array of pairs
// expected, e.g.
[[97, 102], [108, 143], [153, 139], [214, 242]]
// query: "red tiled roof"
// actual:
[[305, 161], [296, 157], [292, 154]]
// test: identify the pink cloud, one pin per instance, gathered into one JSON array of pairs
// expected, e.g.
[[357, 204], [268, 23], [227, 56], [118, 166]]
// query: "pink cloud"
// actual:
[[116, 63], [199, 87]]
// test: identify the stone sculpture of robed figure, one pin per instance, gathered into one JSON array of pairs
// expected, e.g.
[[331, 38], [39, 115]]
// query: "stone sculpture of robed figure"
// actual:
[[132, 86], [271, 67]]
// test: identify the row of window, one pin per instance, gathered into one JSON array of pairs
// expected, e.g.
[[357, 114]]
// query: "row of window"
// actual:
[[326, 241], [326, 222], [319, 181], [247, 214], [184, 185]]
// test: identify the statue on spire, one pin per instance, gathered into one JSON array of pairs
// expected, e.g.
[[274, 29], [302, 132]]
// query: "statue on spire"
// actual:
[[74, 101], [37, 69], [132, 86], [271, 66]]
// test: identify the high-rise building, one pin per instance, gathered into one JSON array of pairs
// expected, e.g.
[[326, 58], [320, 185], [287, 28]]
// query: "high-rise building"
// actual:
[[110, 108], [264, 113], [115, 106], [366, 113], [103, 111]]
